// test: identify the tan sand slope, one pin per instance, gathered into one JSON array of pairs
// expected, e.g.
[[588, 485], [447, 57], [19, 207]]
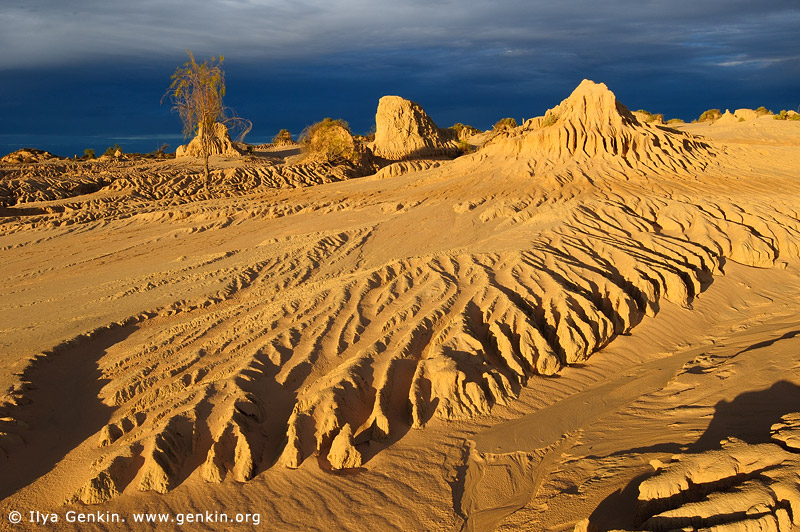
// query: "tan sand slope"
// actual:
[[243, 343]]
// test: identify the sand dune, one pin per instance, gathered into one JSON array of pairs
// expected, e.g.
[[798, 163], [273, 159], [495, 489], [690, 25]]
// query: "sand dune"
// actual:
[[498, 341]]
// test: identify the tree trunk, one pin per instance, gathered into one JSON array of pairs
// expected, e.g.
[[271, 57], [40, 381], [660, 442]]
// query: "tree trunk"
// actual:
[[205, 171]]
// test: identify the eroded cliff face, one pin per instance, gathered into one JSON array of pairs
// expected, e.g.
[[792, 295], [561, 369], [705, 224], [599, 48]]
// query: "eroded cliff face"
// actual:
[[404, 131], [221, 144], [592, 126]]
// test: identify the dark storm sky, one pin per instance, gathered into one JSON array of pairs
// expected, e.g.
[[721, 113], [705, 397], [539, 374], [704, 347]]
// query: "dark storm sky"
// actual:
[[99, 68]]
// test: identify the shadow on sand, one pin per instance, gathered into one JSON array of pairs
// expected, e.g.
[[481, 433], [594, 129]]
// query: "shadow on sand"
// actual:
[[62, 408], [747, 417]]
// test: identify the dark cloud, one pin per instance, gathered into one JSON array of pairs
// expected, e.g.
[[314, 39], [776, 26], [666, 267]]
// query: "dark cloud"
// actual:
[[46, 32]]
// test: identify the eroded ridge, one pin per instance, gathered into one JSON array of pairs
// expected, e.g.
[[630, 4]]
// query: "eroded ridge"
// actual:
[[738, 487], [592, 125], [298, 366]]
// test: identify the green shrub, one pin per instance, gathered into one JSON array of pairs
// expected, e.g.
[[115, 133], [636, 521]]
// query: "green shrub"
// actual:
[[111, 150], [710, 115], [761, 111], [675, 121], [463, 130], [465, 147], [650, 117], [505, 123], [550, 118], [329, 139], [88, 153], [283, 137], [786, 115]]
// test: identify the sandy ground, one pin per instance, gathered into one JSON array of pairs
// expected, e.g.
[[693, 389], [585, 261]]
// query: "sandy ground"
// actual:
[[506, 341]]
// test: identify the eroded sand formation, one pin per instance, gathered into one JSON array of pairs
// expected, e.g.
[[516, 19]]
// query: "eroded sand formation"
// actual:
[[738, 488], [221, 144], [289, 322], [403, 130]]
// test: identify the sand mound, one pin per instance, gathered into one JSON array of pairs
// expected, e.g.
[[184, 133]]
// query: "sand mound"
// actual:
[[592, 125], [746, 114], [27, 155], [727, 118], [220, 145], [52, 181], [394, 345], [405, 131]]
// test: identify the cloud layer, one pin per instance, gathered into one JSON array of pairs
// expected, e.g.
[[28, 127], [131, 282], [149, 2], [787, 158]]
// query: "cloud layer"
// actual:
[[710, 33]]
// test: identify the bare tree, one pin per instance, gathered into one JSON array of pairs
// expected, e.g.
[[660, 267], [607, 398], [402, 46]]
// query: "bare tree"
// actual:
[[196, 94]]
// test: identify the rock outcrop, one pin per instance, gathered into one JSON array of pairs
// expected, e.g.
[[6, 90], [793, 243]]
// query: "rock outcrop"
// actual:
[[727, 118], [592, 125], [404, 131], [746, 114], [221, 144], [27, 155]]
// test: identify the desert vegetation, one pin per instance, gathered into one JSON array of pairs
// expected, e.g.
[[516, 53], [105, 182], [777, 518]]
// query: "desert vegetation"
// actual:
[[787, 115], [710, 115], [649, 117], [331, 140], [282, 138], [112, 150], [504, 123], [464, 131], [196, 94], [550, 118]]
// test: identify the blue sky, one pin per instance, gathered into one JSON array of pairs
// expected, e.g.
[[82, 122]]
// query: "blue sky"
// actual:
[[93, 68]]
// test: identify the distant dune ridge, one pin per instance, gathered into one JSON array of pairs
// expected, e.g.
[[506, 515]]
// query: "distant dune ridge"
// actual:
[[290, 321]]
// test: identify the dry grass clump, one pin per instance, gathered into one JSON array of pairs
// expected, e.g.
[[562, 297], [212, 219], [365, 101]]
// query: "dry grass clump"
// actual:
[[550, 118], [648, 117], [465, 147], [282, 138], [710, 115], [330, 139], [787, 115], [505, 123], [464, 131]]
